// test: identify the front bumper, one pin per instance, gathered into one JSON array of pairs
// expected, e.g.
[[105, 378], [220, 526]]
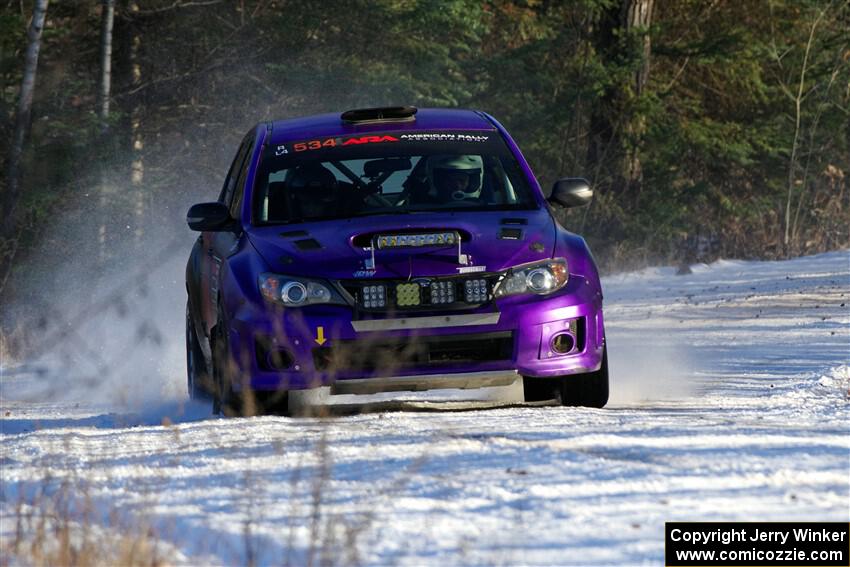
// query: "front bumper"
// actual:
[[417, 383], [321, 345]]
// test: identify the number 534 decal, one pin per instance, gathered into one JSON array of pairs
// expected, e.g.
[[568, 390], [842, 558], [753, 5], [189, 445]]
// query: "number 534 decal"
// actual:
[[333, 142]]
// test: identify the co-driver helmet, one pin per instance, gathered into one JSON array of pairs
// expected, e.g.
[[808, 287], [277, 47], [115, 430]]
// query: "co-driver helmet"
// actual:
[[457, 177]]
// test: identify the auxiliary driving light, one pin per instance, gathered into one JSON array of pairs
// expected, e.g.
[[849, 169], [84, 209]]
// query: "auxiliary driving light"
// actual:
[[374, 296], [442, 293], [476, 291], [407, 294]]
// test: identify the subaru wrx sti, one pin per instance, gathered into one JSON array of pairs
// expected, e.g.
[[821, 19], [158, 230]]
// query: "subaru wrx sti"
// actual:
[[390, 249]]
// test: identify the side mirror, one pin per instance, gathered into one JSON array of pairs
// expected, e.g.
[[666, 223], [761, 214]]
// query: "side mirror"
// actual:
[[208, 217], [571, 192]]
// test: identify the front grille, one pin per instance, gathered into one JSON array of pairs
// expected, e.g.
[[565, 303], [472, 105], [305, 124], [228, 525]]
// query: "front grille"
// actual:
[[389, 355], [422, 293]]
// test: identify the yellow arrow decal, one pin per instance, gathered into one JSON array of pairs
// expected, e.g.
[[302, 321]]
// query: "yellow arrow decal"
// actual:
[[320, 335]]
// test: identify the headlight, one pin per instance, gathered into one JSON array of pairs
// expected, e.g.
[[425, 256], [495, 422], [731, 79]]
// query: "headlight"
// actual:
[[295, 292], [540, 278]]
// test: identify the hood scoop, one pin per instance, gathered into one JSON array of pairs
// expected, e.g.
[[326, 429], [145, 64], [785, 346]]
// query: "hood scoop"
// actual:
[[304, 243], [294, 234], [510, 234], [307, 244]]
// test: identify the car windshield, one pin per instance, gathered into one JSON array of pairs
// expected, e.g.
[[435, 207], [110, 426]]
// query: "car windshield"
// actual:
[[392, 173]]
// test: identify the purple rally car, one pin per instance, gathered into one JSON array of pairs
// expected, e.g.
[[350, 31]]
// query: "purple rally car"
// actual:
[[390, 249]]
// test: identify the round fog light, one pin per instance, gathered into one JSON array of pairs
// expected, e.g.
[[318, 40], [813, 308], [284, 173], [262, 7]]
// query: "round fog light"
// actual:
[[280, 359], [563, 343]]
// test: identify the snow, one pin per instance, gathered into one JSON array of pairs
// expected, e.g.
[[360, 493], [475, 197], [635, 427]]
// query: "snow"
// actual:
[[729, 402]]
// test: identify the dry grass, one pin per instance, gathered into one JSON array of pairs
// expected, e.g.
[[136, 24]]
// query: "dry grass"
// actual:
[[64, 523], [61, 529]]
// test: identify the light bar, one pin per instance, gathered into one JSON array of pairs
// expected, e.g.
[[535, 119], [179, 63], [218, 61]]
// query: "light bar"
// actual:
[[416, 240], [385, 241]]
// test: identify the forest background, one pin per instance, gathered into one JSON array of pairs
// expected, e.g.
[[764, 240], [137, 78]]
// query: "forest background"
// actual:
[[708, 128]]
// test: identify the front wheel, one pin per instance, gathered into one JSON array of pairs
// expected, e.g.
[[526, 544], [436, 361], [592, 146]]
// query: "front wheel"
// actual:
[[225, 400], [246, 402], [588, 390], [198, 378]]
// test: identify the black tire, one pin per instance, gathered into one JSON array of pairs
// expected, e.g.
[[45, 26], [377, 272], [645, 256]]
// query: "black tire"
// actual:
[[225, 400], [587, 390], [198, 380], [540, 389]]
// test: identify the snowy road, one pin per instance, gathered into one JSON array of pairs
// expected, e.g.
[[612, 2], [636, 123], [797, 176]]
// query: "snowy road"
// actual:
[[730, 402]]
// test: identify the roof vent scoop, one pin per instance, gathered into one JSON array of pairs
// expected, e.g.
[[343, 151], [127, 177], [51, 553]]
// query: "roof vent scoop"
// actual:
[[375, 115]]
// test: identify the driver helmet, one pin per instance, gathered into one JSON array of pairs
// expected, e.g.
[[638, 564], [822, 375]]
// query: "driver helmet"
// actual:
[[312, 189], [457, 177]]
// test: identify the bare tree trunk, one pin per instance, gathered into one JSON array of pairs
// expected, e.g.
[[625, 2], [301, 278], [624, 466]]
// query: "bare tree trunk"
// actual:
[[573, 154], [137, 166], [637, 15], [9, 230], [616, 130], [106, 19], [12, 194], [810, 150], [792, 162]]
